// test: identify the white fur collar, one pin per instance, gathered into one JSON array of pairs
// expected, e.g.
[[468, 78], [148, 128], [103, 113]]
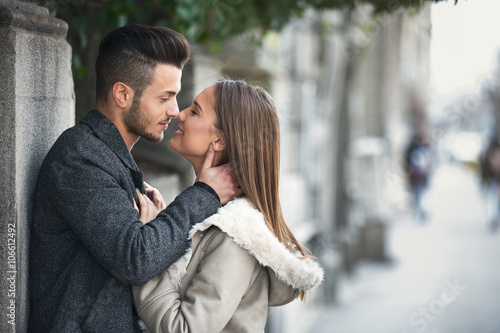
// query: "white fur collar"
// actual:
[[246, 225]]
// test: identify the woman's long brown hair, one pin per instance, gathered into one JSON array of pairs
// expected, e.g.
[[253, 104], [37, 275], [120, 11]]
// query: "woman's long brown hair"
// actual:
[[249, 123]]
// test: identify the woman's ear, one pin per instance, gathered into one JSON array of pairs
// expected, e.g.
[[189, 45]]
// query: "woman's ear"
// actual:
[[123, 95], [219, 144]]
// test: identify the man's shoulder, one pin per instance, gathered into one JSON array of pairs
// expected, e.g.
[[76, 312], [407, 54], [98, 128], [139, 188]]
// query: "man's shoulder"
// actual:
[[78, 137], [78, 133], [78, 142]]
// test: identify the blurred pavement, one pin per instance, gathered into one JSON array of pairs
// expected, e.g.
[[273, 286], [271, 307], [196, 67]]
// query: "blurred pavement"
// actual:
[[443, 276]]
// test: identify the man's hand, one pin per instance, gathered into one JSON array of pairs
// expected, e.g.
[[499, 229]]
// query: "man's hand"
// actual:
[[221, 179]]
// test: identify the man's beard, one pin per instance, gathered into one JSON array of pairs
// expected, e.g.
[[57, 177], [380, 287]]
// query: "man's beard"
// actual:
[[137, 122]]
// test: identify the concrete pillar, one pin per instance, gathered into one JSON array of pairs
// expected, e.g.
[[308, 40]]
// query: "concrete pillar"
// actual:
[[36, 105]]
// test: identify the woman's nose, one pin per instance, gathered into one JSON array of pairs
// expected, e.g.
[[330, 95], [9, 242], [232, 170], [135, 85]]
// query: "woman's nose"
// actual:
[[182, 115]]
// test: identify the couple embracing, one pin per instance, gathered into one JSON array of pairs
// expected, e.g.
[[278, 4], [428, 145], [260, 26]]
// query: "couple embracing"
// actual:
[[108, 255]]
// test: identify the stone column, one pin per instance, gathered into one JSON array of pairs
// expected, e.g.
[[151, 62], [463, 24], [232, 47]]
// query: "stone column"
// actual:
[[36, 105]]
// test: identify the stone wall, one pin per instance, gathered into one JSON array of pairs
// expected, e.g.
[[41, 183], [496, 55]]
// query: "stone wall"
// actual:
[[36, 105]]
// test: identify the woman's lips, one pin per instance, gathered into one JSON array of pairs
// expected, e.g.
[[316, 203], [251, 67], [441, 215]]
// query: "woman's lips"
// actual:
[[179, 131]]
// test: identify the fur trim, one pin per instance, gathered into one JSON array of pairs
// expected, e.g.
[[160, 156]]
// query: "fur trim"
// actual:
[[246, 225], [179, 268]]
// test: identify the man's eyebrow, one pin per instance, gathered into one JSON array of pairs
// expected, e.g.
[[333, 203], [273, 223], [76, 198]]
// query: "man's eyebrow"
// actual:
[[198, 105], [171, 92]]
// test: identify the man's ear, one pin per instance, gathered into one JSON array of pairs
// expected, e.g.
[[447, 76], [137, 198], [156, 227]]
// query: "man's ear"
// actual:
[[123, 95], [219, 144]]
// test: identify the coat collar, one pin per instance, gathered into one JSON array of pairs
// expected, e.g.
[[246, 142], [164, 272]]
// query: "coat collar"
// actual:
[[105, 130], [109, 134], [246, 225]]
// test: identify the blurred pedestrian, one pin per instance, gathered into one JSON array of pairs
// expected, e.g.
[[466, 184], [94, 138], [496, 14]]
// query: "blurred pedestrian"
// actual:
[[490, 178], [418, 163]]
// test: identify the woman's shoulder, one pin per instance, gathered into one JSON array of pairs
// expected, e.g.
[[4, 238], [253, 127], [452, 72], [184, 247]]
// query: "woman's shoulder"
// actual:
[[218, 247], [214, 238], [241, 222]]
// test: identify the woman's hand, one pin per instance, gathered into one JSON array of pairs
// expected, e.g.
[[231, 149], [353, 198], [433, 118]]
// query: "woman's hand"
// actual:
[[156, 195], [221, 178], [147, 209]]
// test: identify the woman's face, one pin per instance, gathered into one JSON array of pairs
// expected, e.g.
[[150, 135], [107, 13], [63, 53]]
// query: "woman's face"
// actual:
[[196, 129]]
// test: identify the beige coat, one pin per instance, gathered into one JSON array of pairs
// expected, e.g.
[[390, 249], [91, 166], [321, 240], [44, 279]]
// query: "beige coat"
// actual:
[[225, 283]]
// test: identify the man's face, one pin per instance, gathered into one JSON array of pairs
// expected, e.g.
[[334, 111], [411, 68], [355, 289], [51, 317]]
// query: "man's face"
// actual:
[[149, 116]]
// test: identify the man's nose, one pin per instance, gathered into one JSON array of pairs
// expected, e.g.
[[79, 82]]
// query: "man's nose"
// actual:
[[173, 112]]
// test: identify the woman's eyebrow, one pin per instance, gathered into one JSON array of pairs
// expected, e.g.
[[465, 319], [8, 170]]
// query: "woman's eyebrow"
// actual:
[[198, 105]]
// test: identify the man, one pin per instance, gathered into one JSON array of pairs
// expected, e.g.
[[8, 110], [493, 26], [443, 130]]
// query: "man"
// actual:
[[88, 245]]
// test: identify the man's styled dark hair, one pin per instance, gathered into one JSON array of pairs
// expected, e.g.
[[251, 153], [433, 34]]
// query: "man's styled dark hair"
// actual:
[[131, 53]]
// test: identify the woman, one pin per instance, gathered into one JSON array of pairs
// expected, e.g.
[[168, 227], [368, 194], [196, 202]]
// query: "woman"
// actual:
[[244, 258]]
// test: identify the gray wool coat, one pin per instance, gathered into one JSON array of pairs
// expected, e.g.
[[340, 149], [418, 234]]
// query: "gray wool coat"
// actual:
[[87, 244]]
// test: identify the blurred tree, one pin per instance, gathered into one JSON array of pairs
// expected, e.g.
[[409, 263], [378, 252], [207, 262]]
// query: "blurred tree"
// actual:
[[207, 23]]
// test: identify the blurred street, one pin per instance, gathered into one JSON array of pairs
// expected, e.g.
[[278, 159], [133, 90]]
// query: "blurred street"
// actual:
[[442, 276]]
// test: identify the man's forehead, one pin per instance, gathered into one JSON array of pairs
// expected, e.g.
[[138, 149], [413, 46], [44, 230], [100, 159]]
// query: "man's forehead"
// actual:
[[167, 79]]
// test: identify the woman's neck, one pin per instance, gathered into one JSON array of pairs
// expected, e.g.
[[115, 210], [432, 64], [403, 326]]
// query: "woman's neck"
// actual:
[[197, 163], [197, 170]]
